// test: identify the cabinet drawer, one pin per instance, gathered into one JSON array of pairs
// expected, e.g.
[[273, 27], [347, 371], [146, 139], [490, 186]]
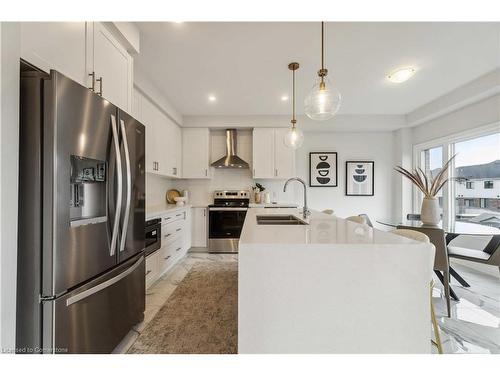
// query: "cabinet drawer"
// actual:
[[152, 269], [169, 254], [172, 232], [173, 216]]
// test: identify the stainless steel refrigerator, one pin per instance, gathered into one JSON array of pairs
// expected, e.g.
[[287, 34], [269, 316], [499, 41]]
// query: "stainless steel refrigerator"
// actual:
[[81, 219]]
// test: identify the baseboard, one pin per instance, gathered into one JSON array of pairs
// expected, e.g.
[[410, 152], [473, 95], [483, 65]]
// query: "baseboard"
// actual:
[[483, 268]]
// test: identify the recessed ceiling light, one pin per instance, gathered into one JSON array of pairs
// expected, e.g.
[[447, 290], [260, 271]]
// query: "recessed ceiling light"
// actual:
[[401, 75], [178, 21], [212, 98], [284, 98]]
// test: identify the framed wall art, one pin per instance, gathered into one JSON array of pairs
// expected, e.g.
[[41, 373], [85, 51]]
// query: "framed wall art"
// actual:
[[359, 178], [322, 169]]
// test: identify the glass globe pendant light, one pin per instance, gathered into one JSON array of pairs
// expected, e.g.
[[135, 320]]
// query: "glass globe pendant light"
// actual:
[[323, 101], [294, 136]]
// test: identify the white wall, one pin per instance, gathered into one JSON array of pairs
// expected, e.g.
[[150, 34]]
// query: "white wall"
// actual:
[[376, 146], [9, 149], [481, 113]]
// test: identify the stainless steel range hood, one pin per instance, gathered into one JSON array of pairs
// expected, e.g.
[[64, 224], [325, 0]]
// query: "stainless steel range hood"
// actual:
[[231, 160]]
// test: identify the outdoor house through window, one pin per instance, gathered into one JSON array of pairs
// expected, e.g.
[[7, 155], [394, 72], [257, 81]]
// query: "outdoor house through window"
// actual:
[[474, 193]]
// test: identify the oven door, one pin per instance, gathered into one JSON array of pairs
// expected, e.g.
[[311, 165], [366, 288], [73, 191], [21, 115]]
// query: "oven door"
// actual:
[[226, 222]]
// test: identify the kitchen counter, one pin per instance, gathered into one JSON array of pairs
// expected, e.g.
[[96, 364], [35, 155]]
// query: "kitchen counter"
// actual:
[[272, 205], [160, 209], [331, 286]]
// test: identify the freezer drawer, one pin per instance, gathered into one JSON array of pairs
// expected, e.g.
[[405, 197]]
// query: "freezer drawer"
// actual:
[[95, 317]]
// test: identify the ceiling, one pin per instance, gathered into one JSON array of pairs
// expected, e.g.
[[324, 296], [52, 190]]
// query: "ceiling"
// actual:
[[244, 64]]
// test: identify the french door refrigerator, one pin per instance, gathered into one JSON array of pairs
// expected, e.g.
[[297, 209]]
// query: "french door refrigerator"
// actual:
[[81, 240]]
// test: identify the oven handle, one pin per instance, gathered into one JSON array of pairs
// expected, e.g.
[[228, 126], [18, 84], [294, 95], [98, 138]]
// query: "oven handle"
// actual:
[[228, 209]]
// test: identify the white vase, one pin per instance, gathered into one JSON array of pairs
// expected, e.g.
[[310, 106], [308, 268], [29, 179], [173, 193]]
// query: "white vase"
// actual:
[[430, 213]]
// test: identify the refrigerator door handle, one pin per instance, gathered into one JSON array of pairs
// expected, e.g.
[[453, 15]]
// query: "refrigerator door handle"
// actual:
[[129, 185], [114, 235], [87, 293]]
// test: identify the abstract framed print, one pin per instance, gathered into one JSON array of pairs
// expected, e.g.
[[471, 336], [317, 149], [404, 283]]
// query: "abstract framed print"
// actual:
[[359, 178], [322, 169]]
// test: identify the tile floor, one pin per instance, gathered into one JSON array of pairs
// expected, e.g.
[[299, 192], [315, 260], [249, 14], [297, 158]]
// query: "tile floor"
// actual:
[[474, 326]]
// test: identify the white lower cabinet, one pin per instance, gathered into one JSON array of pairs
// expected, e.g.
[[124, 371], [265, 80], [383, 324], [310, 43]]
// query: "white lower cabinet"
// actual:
[[175, 242], [199, 225]]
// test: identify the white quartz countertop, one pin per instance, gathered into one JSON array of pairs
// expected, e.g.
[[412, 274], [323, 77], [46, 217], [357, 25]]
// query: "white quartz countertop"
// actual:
[[320, 229], [272, 205], [160, 209]]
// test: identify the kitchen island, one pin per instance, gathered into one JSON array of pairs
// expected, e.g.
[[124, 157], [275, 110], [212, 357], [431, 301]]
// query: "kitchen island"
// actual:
[[331, 286]]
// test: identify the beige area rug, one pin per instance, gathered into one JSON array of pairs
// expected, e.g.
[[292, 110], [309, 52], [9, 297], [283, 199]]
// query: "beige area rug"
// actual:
[[201, 315]]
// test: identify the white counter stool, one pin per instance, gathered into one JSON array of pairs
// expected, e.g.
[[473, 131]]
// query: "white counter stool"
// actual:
[[356, 219], [421, 237]]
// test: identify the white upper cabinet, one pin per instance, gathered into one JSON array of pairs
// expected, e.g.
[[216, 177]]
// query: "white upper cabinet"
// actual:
[[163, 137], [271, 158], [263, 153], [112, 66], [56, 45], [284, 157], [86, 52], [195, 153]]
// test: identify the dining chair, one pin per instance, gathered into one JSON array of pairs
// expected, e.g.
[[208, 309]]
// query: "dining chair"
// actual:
[[328, 211], [441, 262], [421, 237], [490, 255], [367, 219], [356, 219]]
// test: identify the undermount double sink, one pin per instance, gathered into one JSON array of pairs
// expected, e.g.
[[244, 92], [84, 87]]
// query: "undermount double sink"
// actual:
[[279, 220]]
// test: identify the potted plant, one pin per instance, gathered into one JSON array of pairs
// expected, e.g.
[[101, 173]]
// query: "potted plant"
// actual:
[[430, 212], [258, 189]]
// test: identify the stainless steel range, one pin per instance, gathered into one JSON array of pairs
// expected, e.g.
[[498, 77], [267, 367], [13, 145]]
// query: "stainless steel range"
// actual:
[[225, 220]]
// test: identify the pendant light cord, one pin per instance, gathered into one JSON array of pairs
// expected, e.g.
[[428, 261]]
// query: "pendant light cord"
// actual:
[[322, 45], [293, 99]]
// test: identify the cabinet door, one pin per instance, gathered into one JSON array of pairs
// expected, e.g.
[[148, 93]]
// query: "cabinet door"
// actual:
[[195, 153], [165, 144], [178, 151], [113, 64], [199, 227], [263, 153], [56, 45], [149, 121], [284, 157]]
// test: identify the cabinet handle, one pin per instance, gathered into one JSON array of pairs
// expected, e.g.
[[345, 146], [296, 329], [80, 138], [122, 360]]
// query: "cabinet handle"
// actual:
[[206, 172], [167, 235], [166, 257], [275, 173], [178, 215], [177, 249], [204, 213], [93, 81], [178, 229], [174, 171], [148, 272], [100, 86], [168, 218]]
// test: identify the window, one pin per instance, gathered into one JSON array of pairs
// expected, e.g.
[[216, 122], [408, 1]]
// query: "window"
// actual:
[[473, 194], [477, 159]]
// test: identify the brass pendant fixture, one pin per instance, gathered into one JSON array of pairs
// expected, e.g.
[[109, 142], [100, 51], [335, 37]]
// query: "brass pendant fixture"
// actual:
[[294, 136], [323, 101]]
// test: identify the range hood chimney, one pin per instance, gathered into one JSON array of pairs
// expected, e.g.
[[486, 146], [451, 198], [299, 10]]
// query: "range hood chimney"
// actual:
[[231, 160]]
